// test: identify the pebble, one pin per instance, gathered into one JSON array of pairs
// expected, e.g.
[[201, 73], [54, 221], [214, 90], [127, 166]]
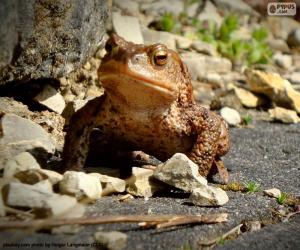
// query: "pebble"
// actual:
[[231, 116], [142, 184], [51, 98], [127, 27], [204, 48], [46, 203], [293, 39], [128, 7], [209, 196], [273, 192], [180, 172], [80, 185], [112, 240], [247, 98], [109, 183]]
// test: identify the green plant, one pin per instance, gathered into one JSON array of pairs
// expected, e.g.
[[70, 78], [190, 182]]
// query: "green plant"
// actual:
[[221, 241], [247, 119], [251, 187], [186, 246], [281, 199], [167, 22]]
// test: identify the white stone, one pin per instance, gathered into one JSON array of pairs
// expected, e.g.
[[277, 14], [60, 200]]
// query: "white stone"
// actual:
[[20, 135], [284, 61], [153, 36], [20, 162], [127, 27], [80, 185], [279, 45], [30, 196], [231, 116], [141, 183], [112, 240], [273, 192], [51, 98], [284, 115], [209, 196], [294, 77], [210, 13], [110, 184], [180, 172]]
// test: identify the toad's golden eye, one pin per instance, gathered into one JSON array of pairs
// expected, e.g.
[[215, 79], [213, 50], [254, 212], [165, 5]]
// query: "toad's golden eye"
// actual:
[[159, 55]]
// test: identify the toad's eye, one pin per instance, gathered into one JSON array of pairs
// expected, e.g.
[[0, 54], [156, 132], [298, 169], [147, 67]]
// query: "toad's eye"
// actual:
[[159, 55]]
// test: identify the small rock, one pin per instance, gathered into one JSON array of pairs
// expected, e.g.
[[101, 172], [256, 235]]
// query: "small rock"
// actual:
[[9, 105], [248, 99], [231, 116], [180, 172], [127, 27], [182, 42], [204, 48], [128, 7], [20, 135], [293, 39], [279, 90], [200, 65], [214, 79], [53, 176], [141, 183], [45, 203], [273, 192], [153, 36], [279, 45], [112, 240], [284, 115], [51, 98], [284, 61], [208, 196], [80, 185], [110, 184], [20, 162]]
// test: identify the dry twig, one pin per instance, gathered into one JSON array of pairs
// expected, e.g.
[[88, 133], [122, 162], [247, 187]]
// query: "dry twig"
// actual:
[[158, 221]]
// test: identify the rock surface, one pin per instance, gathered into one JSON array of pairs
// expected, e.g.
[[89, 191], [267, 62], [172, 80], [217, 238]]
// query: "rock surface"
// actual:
[[19, 135], [48, 39], [180, 172], [273, 192]]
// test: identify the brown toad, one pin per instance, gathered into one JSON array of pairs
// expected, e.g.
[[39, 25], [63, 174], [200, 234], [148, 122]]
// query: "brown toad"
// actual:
[[147, 105]]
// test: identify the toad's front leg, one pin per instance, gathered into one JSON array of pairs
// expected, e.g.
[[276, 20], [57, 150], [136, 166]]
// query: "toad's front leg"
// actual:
[[77, 139], [211, 143]]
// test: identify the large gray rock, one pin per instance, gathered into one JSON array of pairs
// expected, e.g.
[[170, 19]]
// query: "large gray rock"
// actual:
[[42, 39], [18, 135]]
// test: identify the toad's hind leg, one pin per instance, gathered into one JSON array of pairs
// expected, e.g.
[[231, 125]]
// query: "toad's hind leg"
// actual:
[[77, 139]]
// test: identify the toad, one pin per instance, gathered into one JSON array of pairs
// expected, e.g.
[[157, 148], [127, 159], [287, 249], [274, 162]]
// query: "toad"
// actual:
[[148, 105]]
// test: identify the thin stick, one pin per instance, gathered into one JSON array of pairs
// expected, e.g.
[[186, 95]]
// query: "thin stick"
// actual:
[[181, 219]]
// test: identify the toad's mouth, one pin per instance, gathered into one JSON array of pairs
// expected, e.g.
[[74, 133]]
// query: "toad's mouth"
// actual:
[[134, 81]]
